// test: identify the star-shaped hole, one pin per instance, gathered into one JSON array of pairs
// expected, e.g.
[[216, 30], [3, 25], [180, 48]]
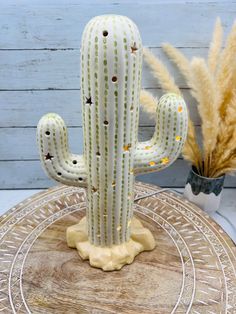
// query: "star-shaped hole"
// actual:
[[88, 100], [127, 147], [180, 108], [134, 48], [48, 156], [94, 190], [165, 160]]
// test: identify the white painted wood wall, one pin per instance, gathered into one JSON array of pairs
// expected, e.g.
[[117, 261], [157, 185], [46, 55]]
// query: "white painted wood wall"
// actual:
[[39, 71]]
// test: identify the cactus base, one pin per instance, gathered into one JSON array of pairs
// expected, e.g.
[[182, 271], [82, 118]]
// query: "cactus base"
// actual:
[[116, 256]]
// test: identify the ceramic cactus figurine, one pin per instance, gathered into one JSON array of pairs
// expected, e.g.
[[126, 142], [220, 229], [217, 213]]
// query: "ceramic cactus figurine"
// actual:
[[111, 60]]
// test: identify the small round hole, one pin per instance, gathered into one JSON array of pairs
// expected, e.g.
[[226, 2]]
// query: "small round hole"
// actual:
[[105, 33], [114, 79], [80, 179], [47, 133], [105, 122], [74, 162], [59, 173]]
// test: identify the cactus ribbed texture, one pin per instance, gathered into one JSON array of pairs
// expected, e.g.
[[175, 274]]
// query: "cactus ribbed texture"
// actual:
[[111, 61]]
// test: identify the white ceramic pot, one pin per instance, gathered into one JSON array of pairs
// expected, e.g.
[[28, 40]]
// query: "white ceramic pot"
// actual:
[[204, 192]]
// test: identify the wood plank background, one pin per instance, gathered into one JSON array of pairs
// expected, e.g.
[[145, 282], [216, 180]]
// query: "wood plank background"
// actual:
[[39, 72]]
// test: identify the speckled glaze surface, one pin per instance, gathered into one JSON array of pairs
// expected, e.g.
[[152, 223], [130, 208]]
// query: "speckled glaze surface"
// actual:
[[111, 62]]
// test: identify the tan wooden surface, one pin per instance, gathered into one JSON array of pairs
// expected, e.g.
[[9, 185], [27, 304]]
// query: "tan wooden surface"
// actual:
[[191, 270]]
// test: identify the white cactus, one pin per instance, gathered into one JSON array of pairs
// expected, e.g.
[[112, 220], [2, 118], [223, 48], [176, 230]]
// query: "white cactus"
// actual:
[[111, 61]]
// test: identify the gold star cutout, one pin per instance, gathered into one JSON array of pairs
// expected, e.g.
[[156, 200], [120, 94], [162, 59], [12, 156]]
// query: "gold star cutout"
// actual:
[[134, 48], [48, 156], [180, 109], [152, 163], [94, 189], [165, 160], [126, 147], [88, 100]]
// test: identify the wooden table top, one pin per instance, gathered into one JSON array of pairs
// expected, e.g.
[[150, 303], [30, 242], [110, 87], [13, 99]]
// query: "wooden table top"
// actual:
[[191, 270]]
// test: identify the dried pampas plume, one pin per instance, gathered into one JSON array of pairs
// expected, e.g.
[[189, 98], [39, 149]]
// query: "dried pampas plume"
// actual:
[[215, 46], [206, 93], [160, 72], [212, 83], [177, 57], [148, 102], [191, 151]]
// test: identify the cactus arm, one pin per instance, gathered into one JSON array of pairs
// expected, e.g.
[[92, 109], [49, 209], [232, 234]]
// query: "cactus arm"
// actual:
[[57, 161], [168, 139]]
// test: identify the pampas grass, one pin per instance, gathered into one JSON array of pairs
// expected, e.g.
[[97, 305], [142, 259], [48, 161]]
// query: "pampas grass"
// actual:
[[148, 101], [212, 83], [206, 93], [191, 150], [215, 46], [178, 58], [160, 72]]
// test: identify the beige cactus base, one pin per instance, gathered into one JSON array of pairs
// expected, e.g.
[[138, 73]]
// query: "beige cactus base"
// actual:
[[116, 256]]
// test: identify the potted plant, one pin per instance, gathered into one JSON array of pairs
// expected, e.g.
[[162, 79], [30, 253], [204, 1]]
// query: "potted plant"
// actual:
[[212, 83]]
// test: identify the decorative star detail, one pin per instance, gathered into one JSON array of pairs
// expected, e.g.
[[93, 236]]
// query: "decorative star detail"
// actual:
[[165, 160], [48, 156], [94, 189], [88, 100], [134, 48], [180, 108], [152, 163], [126, 147], [118, 228]]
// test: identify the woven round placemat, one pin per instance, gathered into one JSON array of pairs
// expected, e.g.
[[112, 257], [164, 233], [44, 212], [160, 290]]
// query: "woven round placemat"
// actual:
[[191, 270]]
